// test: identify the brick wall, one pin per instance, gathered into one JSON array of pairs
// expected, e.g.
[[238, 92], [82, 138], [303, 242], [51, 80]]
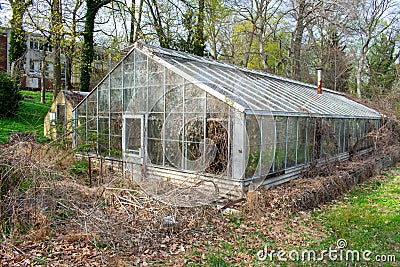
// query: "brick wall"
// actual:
[[3, 52]]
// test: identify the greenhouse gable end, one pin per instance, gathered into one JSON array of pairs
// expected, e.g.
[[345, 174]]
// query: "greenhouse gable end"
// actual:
[[175, 117]]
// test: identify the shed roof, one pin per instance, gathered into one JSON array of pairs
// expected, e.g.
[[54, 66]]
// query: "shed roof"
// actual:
[[257, 92], [74, 97]]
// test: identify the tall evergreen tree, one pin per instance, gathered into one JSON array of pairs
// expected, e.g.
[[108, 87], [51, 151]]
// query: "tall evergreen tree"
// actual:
[[381, 62]]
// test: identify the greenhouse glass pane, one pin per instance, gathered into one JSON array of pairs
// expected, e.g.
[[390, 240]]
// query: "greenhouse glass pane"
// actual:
[[116, 77], [291, 142], [280, 150], [141, 73], [174, 98], [253, 144], [194, 130], [116, 124], [156, 73], [155, 151], [104, 96], [173, 154], [134, 135], [193, 155], [194, 99], [215, 105], [329, 140], [310, 139], [217, 134], [173, 126], [116, 146], [129, 79], [156, 98], [268, 139], [103, 136], [301, 148], [138, 101], [116, 100], [155, 125]]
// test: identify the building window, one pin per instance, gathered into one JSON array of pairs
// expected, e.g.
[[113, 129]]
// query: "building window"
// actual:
[[31, 66], [34, 66], [52, 118]]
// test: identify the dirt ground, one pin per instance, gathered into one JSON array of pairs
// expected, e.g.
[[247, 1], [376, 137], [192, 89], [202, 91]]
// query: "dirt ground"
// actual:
[[52, 217]]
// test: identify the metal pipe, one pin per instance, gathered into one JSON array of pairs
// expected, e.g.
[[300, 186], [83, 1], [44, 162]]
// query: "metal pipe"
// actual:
[[319, 73]]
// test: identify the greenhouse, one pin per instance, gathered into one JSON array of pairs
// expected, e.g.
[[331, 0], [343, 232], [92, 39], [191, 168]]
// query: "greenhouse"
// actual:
[[171, 116]]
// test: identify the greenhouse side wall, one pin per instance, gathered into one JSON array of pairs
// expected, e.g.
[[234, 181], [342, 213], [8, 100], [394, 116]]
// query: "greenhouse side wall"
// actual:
[[298, 141]]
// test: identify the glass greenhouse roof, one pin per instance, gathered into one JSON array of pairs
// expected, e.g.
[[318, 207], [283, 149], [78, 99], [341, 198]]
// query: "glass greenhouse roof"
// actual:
[[255, 92]]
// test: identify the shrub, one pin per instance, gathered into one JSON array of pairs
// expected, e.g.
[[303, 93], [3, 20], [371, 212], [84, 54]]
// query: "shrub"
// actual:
[[79, 167], [10, 96]]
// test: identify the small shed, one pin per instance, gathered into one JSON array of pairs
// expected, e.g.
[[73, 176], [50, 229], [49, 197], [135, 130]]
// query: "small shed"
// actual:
[[171, 116], [58, 121]]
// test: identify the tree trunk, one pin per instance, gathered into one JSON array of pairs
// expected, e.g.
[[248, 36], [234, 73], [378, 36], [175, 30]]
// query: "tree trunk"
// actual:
[[68, 72], [87, 50], [139, 21], [199, 39], [359, 73], [92, 7], [69, 57], [263, 54], [56, 25], [43, 76], [298, 38], [43, 87], [247, 55], [132, 31]]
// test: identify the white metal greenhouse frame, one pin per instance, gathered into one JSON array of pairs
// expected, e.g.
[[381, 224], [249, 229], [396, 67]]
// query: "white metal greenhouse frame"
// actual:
[[263, 127]]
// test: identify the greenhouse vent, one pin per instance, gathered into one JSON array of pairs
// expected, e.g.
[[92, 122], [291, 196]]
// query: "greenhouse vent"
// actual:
[[174, 119]]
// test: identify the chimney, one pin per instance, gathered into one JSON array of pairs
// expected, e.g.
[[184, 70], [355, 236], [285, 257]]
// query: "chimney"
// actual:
[[319, 72]]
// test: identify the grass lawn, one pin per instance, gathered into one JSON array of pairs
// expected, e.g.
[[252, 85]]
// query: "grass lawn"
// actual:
[[30, 116], [366, 220]]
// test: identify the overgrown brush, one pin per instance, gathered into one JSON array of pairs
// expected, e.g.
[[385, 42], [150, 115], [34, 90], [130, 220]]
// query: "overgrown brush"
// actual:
[[22, 173]]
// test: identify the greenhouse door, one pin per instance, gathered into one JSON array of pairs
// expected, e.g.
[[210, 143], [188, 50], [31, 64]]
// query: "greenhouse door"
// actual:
[[133, 138]]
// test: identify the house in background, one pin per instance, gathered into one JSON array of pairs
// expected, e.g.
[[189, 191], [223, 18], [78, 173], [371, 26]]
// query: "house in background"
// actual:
[[58, 121], [37, 54]]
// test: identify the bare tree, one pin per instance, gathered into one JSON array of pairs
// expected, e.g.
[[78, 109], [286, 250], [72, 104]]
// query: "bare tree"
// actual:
[[217, 17], [368, 17]]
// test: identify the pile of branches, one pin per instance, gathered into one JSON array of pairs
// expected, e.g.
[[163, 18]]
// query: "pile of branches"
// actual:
[[39, 200]]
